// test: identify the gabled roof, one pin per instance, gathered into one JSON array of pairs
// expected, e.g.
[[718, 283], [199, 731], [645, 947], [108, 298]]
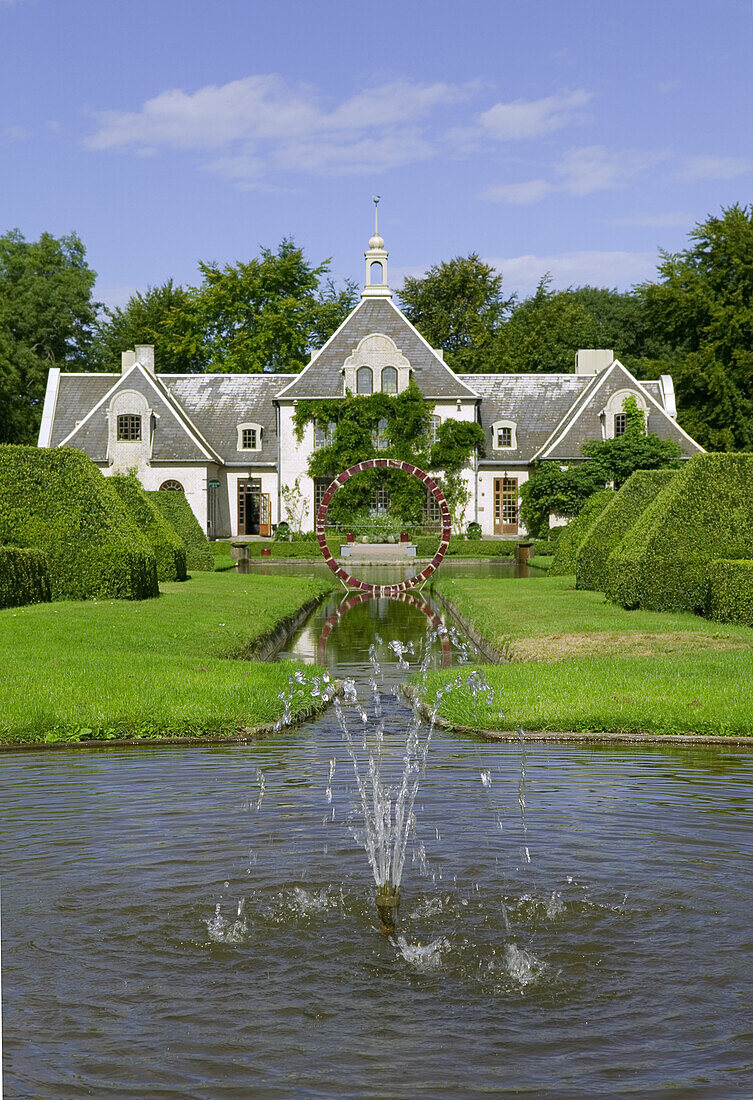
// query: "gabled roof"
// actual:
[[175, 439], [534, 402], [582, 422], [218, 403], [323, 375]]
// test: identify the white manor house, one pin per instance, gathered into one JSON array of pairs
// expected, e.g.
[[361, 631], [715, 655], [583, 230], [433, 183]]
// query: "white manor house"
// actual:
[[228, 440]]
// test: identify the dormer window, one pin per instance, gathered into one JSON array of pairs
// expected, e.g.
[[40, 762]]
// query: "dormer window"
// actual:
[[504, 435], [128, 428], [389, 380], [249, 437], [364, 380]]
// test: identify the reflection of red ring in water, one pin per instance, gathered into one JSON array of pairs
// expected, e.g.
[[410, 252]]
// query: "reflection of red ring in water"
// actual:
[[343, 574], [363, 597]]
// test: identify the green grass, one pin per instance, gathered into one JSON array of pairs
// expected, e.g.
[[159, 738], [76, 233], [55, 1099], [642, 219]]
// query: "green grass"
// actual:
[[165, 667], [581, 664]]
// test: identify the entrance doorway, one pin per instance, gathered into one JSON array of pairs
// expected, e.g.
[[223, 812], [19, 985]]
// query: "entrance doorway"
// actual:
[[265, 516], [505, 506], [249, 505]]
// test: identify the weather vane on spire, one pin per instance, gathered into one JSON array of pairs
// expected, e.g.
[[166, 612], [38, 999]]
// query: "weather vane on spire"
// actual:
[[375, 200]]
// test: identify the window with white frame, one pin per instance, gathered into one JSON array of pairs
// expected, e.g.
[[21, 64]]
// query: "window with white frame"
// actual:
[[504, 435], [379, 435], [249, 437], [434, 430], [364, 380], [128, 428], [324, 433], [389, 380]]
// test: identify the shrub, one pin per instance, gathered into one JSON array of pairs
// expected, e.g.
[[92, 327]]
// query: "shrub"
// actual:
[[282, 534], [705, 513], [622, 512], [58, 501], [473, 531], [179, 514], [730, 596], [23, 577], [168, 548], [571, 536]]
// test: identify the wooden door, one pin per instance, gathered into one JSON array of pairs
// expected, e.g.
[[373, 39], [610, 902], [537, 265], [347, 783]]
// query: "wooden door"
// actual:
[[265, 516], [249, 501], [505, 506]]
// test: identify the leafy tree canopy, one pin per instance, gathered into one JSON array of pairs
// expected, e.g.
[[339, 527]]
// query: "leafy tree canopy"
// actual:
[[544, 332], [458, 306], [47, 319], [268, 313], [163, 316]]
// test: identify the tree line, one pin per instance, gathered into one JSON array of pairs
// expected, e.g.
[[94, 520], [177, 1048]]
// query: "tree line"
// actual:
[[694, 321]]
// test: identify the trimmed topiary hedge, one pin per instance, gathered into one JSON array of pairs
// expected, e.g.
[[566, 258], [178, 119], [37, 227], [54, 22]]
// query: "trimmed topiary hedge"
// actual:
[[705, 513], [730, 596], [574, 533], [168, 548], [622, 512], [58, 501], [24, 577], [179, 514]]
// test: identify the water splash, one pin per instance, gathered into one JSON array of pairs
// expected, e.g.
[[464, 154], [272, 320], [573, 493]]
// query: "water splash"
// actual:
[[423, 957]]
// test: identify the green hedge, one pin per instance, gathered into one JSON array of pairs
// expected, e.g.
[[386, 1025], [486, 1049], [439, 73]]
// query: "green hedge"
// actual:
[[179, 514], [24, 577], [59, 502], [730, 595], [705, 513], [167, 546], [571, 536], [300, 549], [622, 512]]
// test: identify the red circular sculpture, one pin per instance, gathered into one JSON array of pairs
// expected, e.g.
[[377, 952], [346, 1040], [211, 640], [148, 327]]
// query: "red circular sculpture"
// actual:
[[383, 464]]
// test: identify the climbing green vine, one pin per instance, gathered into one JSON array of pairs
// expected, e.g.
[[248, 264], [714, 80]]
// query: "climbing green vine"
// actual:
[[380, 425]]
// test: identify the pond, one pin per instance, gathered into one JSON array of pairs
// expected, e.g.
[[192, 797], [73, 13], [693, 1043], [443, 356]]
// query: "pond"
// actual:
[[199, 922]]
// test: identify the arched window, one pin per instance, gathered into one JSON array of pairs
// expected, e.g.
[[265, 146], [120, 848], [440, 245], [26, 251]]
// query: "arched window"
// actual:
[[173, 486], [434, 430], [376, 272], [389, 380], [364, 380]]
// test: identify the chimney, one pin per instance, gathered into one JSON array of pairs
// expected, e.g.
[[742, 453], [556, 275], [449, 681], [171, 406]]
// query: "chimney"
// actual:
[[145, 356], [593, 360], [127, 360]]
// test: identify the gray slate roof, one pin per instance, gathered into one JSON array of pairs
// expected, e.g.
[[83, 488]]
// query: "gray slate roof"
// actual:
[[323, 376], [218, 403], [535, 402], [77, 396]]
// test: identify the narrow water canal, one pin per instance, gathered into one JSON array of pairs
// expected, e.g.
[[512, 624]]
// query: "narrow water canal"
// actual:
[[199, 923]]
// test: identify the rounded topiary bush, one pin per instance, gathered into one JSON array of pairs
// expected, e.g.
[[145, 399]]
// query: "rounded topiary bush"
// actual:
[[58, 501]]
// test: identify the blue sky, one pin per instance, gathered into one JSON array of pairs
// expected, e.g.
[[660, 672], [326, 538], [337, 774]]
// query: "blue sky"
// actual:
[[575, 136]]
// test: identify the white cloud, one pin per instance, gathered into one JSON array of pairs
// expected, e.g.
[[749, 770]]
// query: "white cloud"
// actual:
[[714, 168], [531, 118], [263, 123], [612, 269], [595, 168], [582, 171], [518, 193]]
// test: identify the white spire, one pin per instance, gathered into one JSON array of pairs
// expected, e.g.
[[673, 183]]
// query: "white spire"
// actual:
[[376, 263]]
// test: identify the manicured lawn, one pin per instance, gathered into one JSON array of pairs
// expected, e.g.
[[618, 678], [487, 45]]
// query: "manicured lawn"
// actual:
[[580, 663], [160, 667]]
